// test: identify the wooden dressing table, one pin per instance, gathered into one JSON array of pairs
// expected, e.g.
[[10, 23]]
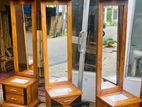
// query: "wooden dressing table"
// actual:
[[21, 90], [111, 57], [59, 90]]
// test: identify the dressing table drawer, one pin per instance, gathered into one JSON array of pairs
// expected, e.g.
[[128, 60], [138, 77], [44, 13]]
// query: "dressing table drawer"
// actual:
[[66, 100], [14, 90], [12, 98]]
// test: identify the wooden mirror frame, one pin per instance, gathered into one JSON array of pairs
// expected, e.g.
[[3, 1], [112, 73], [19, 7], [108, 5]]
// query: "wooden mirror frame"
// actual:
[[69, 37], [122, 26], [34, 37]]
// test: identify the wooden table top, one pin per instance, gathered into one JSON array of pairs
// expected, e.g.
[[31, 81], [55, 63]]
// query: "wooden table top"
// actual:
[[130, 99], [62, 89], [19, 81]]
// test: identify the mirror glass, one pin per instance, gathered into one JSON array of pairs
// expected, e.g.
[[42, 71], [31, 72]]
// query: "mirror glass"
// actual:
[[56, 18], [110, 47], [24, 37]]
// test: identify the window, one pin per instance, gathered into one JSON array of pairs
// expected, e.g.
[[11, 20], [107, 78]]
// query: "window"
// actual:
[[135, 55]]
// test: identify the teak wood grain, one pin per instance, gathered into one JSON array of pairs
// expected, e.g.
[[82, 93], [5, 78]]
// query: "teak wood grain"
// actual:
[[62, 92], [22, 29], [17, 94], [122, 26], [102, 94]]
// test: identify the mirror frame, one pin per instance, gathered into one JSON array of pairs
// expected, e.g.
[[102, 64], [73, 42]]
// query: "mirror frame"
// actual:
[[34, 37], [122, 26], [69, 37]]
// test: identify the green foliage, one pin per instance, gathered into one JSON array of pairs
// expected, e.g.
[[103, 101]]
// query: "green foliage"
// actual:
[[109, 16], [109, 42]]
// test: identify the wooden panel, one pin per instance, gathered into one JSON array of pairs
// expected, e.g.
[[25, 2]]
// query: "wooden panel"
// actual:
[[16, 99], [131, 101], [122, 26], [16, 31], [103, 104], [44, 34], [62, 89], [14, 90], [66, 100], [69, 41]]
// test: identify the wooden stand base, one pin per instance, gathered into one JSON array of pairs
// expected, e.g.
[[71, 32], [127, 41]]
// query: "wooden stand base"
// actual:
[[109, 101], [64, 93], [20, 92], [34, 104]]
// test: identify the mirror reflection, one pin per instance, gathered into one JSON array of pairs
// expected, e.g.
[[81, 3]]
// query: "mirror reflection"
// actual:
[[24, 36], [110, 47], [56, 16]]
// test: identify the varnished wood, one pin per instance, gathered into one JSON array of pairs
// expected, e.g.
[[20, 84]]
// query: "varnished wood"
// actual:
[[22, 94], [15, 37], [14, 92], [69, 8], [13, 84], [132, 101], [13, 98], [14, 31], [122, 26], [69, 36], [102, 94], [62, 92]]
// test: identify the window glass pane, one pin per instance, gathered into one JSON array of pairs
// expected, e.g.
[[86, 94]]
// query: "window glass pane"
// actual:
[[135, 56], [91, 39]]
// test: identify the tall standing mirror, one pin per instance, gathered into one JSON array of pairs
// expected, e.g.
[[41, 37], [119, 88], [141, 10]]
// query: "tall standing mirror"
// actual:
[[110, 50], [111, 42], [57, 42], [56, 18], [24, 39], [21, 89]]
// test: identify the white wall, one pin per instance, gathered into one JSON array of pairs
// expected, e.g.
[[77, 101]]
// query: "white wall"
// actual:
[[89, 85]]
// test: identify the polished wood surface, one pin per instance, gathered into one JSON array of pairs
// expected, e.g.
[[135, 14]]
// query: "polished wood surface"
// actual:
[[132, 101], [14, 22], [122, 26], [62, 92], [14, 90], [20, 93], [21, 90], [62, 89], [9, 82], [102, 94], [16, 99], [69, 36]]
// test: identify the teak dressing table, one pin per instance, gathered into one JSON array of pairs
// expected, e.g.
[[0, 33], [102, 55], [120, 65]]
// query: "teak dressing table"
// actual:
[[59, 88], [21, 90], [111, 58]]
